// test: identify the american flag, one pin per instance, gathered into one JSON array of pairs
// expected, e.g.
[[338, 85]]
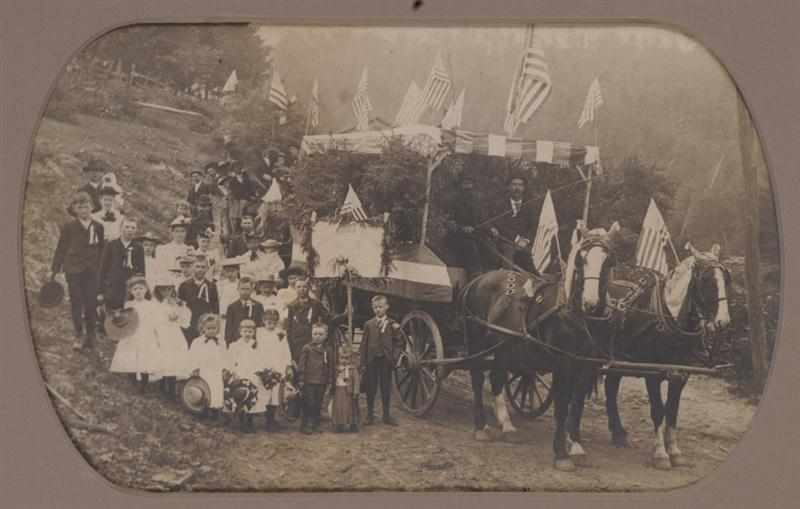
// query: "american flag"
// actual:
[[594, 99], [453, 116], [411, 108], [278, 96], [361, 104], [438, 85], [651, 250], [313, 108], [546, 235], [352, 205], [530, 87]]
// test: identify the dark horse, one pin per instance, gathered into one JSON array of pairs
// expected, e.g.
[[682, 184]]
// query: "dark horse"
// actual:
[[665, 321], [530, 322]]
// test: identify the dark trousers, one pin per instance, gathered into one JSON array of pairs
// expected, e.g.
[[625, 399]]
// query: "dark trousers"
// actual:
[[313, 395], [82, 288], [468, 251], [521, 257], [379, 373]]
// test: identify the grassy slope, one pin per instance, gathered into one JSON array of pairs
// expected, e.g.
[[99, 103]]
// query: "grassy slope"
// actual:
[[149, 436]]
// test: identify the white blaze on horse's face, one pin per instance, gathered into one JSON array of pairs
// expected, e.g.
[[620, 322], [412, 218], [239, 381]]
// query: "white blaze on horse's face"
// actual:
[[593, 262], [723, 317]]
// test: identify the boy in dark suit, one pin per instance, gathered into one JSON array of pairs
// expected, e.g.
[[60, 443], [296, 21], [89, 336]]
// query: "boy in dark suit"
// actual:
[[78, 251], [316, 372], [514, 226], [245, 308], [379, 348], [301, 314], [198, 188], [94, 171], [199, 294], [122, 258], [237, 243]]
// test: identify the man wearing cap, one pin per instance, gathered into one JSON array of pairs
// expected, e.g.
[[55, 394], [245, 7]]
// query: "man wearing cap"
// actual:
[[94, 171], [512, 226], [465, 218], [110, 219], [122, 258], [302, 314]]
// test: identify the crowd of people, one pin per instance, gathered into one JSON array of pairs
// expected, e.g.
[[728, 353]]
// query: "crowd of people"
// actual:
[[219, 301]]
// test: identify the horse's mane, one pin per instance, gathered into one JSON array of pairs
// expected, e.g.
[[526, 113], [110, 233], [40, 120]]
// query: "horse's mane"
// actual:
[[677, 286]]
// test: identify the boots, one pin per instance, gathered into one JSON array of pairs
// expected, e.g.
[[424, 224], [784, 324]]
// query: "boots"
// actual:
[[269, 419]]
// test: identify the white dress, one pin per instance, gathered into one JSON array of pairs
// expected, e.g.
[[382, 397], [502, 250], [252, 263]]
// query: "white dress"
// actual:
[[209, 358], [277, 355], [265, 264], [167, 255], [152, 272], [111, 229], [174, 350], [244, 362], [273, 302], [140, 352]]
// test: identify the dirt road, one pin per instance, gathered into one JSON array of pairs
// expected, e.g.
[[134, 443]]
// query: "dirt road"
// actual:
[[153, 442]]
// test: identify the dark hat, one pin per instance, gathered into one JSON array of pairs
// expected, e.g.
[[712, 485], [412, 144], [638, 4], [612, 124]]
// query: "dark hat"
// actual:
[[211, 166], [51, 294], [108, 191], [295, 270], [179, 221], [196, 395], [122, 323], [95, 165], [196, 171]]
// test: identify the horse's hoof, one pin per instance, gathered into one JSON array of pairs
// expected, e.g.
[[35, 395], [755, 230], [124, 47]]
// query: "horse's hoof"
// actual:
[[620, 441], [662, 463], [678, 460], [565, 465], [483, 435]]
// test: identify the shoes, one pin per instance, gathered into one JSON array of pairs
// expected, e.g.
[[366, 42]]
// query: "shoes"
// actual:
[[369, 421], [389, 421]]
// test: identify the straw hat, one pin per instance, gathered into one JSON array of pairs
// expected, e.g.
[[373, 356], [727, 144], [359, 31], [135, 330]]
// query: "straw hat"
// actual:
[[122, 324], [195, 395]]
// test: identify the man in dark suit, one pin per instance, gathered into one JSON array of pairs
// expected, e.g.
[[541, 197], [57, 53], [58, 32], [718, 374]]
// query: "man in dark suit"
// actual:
[[513, 226], [198, 189], [122, 258], [200, 296], [303, 313], [237, 243], [94, 171], [245, 308], [380, 345], [78, 251], [465, 217]]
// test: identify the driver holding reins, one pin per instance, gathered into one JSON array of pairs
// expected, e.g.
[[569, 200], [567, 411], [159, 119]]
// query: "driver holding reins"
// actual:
[[513, 225]]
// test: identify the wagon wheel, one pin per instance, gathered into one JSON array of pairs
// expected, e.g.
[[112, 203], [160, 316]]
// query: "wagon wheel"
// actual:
[[530, 393], [418, 383]]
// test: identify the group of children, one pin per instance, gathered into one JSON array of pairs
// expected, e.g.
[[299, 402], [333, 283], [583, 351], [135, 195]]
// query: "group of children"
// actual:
[[222, 318]]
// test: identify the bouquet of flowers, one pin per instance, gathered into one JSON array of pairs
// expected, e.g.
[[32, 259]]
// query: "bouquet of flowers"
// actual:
[[239, 394], [270, 378]]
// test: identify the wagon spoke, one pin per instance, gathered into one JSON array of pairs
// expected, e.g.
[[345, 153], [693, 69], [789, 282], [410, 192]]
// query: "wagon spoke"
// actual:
[[541, 381], [404, 378], [407, 391], [522, 387], [517, 388], [414, 383], [536, 391], [425, 389], [429, 374], [426, 350]]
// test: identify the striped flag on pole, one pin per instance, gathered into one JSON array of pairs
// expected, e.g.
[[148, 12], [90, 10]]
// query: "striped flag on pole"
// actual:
[[715, 172], [594, 99], [361, 105], [651, 250], [278, 96], [438, 85], [546, 235], [313, 110], [452, 118], [411, 108], [352, 205], [530, 88]]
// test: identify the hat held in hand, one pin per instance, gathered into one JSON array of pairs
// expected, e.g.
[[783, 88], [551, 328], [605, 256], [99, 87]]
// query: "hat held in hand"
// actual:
[[195, 395], [121, 323], [51, 294]]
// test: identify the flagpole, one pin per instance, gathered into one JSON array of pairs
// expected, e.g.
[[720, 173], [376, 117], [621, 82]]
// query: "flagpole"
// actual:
[[589, 175]]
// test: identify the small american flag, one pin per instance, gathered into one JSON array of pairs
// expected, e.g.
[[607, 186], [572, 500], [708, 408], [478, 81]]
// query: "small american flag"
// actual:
[[313, 109], [546, 235], [594, 99], [452, 118], [530, 88], [438, 85], [651, 249], [352, 205], [278, 96], [361, 104], [411, 108]]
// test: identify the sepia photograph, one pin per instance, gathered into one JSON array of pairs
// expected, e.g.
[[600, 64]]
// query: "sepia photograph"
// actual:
[[401, 258]]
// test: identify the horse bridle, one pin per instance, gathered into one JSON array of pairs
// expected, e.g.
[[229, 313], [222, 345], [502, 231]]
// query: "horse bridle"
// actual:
[[703, 267], [586, 245]]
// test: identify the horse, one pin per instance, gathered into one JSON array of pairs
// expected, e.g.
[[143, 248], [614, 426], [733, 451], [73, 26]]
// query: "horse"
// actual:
[[660, 320], [533, 322]]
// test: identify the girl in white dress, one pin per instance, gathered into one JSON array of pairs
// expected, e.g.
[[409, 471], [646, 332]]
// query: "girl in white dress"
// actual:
[[228, 285], [169, 253], [275, 347], [140, 352], [152, 271], [172, 319], [246, 357], [207, 358]]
